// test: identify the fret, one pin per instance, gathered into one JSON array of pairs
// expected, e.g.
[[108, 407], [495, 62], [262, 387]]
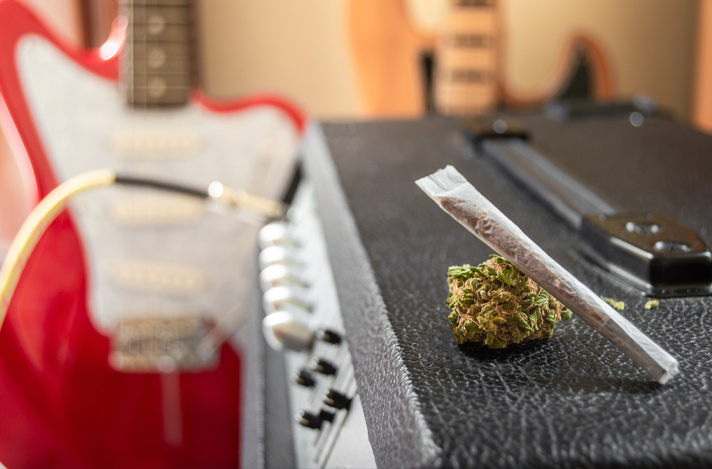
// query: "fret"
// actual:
[[468, 75], [153, 81], [157, 96], [159, 62], [458, 109], [153, 15], [143, 50], [472, 41], [142, 3], [170, 80], [152, 33], [473, 3]]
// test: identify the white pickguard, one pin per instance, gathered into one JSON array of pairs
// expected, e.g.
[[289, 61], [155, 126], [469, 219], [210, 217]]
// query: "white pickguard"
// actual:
[[152, 253]]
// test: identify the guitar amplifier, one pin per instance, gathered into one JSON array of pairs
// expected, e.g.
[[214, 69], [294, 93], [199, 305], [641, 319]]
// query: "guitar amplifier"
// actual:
[[374, 376]]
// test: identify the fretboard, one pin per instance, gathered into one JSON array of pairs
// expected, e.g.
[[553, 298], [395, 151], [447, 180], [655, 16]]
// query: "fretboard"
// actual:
[[157, 66], [465, 82]]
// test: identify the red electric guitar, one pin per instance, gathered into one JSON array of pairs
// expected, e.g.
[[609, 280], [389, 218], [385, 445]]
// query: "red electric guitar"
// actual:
[[70, 396]]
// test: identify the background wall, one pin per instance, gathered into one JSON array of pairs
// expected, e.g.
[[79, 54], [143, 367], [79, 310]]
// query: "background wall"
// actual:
[[298, 48]]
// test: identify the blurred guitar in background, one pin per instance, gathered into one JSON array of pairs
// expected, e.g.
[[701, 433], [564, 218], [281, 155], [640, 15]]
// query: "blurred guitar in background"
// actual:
[[134, 267], [403, 71]]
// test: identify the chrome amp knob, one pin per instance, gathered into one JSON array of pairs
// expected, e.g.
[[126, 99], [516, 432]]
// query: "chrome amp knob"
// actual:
[[283, 330]]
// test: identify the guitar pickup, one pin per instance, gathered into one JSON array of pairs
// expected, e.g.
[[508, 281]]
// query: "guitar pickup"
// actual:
[[165, 345], [157, 277], [157, 210]]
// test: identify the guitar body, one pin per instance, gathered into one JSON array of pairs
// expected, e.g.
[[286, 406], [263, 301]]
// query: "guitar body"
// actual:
[[470, 77], [118, 254]]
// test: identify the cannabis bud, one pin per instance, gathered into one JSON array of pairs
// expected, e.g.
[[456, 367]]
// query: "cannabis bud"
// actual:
[[497, 305]]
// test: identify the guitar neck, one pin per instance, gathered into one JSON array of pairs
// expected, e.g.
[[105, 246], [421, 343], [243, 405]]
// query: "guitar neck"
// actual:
[[465, 81], [157, 66]]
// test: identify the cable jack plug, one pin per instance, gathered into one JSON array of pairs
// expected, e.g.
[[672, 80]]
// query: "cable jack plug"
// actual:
[[241, 199]]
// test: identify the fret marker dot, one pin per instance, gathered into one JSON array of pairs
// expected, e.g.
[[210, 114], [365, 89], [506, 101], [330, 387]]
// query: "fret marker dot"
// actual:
[[157, 87], [156, 57], [156, 25]]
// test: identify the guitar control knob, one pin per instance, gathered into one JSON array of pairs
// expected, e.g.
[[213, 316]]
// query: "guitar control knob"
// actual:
[[329, 336], [322, 366], [304, 378], [284, 298], [276, 234], [337, 400], [280, 275], [283, 330], [309, 419]]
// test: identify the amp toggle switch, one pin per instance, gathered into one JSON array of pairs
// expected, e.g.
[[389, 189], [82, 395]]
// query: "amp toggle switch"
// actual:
[[304, 378], [329, 336], [308, 419], [312, 420], [322, 366], [336, 400]]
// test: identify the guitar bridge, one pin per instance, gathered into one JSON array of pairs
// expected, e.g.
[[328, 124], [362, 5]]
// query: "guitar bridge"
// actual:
[[165, 345]]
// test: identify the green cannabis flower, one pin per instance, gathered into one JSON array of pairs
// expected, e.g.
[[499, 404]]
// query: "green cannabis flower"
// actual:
[[496, 304], [618, 305]]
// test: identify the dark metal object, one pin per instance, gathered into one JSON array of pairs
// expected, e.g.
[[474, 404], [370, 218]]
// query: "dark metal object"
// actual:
[[495, 128], [567, 109], [651, 251]]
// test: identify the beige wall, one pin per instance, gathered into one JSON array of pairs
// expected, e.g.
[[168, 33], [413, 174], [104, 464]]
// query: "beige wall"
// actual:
[[295, 47], [300, 48]]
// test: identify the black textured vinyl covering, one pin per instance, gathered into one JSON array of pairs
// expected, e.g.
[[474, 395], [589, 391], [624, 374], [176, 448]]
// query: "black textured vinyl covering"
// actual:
[[572, 401]]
